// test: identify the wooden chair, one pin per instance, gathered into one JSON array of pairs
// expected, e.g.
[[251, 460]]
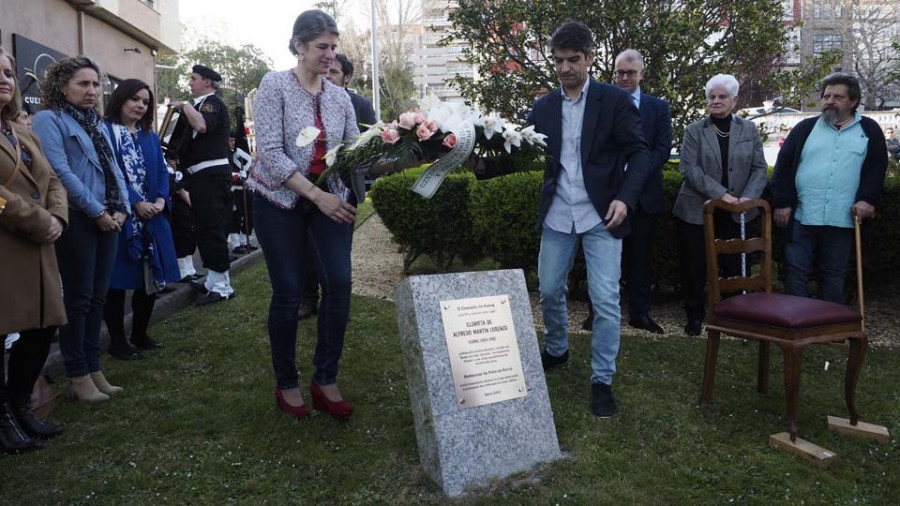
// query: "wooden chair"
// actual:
[[758, 314]]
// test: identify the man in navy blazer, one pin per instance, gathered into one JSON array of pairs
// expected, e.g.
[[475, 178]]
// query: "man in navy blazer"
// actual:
[[593, 130], [656, 120]]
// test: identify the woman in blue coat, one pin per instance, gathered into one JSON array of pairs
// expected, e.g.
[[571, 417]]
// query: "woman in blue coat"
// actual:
[[78, 149], [145, 260]]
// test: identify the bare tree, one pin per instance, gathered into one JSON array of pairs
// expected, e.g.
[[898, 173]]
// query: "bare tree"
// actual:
[[356, 45], [868, 38], [333, 7], [396, 21]]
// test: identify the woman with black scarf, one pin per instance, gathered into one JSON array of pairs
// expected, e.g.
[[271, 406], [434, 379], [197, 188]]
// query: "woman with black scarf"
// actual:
[[80, 153]]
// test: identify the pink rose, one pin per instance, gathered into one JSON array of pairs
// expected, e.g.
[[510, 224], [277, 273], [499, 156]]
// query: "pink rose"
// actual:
[[450, 141], [408, 120], [390, 136], [419, 116], [423, 132]]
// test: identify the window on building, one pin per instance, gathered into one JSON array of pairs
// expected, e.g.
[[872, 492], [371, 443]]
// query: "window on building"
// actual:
[[787, 9], [824, 41], [826, 9], [108, 84]]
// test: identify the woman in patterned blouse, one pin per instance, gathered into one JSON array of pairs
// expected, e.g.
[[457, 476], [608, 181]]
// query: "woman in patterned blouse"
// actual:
[[292, 207]]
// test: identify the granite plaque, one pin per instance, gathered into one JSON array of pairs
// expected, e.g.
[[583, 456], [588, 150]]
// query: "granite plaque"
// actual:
[[463, 448]]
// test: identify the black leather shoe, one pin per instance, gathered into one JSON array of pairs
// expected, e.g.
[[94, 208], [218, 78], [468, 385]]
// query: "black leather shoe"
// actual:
[[126, 353], [645, 323], [191, 278], [213, 297], [244, 249], [12, 438], [694, 327], [548, 361], [603, 404], [308, 308], [588, 323], [199, 287], [145, 343], [31, 425]]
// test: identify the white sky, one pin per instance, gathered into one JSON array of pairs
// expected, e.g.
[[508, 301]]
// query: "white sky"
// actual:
[[266, 24]]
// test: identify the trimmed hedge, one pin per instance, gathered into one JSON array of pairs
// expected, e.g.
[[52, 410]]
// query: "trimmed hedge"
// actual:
[[440, 227], [504, 218], [497, 217]]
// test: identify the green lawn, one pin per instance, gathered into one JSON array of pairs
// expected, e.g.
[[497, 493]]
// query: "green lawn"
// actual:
[[197, 424]]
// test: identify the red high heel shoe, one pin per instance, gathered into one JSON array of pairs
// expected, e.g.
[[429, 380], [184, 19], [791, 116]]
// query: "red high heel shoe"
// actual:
[[338, 409], [300, 412]]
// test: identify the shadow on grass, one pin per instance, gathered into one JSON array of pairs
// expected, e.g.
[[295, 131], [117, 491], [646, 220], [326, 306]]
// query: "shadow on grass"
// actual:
[[197, 424]]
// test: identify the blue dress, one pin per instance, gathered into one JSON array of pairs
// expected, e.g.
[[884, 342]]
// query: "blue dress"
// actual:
[[155, 238]]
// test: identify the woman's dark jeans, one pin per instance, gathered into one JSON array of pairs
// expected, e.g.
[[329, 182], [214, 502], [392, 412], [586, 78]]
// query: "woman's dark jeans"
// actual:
[[86, 256], [283, 235]]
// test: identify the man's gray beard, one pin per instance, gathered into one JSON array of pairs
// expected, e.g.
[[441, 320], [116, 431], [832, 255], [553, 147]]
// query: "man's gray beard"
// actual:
[[830, 116]]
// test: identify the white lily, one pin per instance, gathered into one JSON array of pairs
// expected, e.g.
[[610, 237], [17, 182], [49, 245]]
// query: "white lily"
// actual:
[[429, 102], [307, 136], [493, 123], [331, 155], [440, 113], [512, 137], [532, 137], [371, 133]]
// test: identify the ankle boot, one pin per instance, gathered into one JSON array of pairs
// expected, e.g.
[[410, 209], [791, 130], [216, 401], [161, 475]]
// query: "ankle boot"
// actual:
[[12, 438], [103, 385], [84, 389], [33, 426]]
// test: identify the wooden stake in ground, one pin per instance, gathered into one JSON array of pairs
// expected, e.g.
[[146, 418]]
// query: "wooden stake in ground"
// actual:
[[818, 456], [861, 430]]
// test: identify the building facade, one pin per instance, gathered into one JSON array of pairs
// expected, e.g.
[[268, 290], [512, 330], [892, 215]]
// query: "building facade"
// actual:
[[863, 30], [434, 64], [124, 37]]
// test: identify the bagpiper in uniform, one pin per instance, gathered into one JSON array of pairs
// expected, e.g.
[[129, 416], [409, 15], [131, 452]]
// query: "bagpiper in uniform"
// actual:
[[202, 147]]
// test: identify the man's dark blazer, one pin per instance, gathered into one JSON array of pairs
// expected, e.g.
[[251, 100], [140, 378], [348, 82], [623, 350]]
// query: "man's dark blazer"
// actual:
[[362, 106], [611, 137], [656, 120]]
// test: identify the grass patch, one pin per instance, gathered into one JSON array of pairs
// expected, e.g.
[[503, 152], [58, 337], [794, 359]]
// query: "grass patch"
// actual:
[[197, 424]]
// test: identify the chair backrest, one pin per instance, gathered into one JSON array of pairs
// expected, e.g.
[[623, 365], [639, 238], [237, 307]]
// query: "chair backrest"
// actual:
[[714, 247]]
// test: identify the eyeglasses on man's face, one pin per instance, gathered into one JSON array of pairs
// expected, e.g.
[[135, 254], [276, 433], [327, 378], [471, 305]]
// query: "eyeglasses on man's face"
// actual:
[[623, 73]]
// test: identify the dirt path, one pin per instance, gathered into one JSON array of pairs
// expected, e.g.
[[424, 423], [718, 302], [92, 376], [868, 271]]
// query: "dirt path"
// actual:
[[377, 267]]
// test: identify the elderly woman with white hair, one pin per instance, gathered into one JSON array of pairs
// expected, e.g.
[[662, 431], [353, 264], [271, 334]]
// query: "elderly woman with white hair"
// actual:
[[721, 158]]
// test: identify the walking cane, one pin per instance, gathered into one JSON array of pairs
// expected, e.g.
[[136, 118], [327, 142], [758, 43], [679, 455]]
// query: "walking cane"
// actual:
[[243, 160], [246, 214], [744, 238], [857, 222]]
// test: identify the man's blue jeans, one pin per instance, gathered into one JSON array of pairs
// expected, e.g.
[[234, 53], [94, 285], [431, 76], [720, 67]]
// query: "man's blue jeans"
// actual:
[[283, 235], [834, 245], [603, 255]]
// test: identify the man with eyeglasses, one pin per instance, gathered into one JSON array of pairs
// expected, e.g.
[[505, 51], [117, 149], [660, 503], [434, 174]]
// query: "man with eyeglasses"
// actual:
[[656, 122]]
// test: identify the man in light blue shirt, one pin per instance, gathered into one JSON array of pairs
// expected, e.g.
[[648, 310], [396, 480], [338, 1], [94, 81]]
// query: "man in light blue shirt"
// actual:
[[592, 131], [828, 167]]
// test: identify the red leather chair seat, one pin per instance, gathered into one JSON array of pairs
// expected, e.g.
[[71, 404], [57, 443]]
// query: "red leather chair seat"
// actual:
[[787, 311]]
